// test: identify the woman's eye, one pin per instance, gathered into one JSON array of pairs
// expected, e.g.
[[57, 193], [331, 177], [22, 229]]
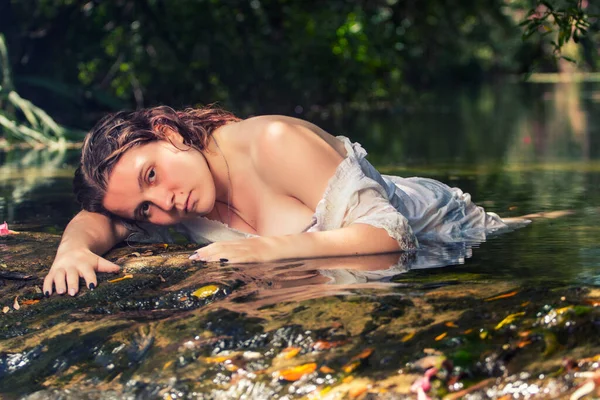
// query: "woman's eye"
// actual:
[[151, 175], [145, 210]]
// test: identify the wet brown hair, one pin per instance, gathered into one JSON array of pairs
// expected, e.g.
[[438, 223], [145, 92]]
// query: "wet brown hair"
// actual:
[[116, 133]]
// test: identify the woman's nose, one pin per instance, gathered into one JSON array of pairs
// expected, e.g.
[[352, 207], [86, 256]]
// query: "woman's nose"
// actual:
[[162, 198]]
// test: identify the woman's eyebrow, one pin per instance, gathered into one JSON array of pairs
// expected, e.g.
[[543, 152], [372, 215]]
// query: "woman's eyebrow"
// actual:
[[141, 178]]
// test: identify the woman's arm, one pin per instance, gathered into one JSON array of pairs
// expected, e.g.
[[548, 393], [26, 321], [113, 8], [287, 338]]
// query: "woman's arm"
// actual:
[[85, 237], [355, 239]]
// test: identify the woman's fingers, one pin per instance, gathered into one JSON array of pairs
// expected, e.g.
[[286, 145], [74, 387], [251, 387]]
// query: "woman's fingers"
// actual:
[[48, 281], [73, 281], [59, 280], [90, 277], [106, 266]]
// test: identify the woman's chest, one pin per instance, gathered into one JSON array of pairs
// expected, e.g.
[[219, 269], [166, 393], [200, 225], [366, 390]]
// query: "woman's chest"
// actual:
[[265, 213]]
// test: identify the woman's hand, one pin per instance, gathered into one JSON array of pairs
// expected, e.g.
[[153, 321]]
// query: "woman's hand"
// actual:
[[260, 249], [69, 266]]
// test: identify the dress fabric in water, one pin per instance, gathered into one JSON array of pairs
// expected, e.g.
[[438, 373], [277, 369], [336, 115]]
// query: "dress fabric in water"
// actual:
[[409, 209]]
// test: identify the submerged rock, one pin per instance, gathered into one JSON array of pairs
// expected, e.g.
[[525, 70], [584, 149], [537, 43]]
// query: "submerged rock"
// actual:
[[176, 329]]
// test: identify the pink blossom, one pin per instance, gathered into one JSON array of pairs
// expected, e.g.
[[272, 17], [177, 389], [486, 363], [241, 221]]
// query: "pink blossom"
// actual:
[[4, 229], [423, 384]]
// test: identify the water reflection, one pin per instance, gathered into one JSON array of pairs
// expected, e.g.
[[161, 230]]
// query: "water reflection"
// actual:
[[267, 284], [35, 188]]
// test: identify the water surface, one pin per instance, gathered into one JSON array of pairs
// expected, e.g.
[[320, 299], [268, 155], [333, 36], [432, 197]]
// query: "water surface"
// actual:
[[518, 149]]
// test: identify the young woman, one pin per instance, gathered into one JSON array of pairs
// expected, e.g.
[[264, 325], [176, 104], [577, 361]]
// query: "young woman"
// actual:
[[261, 189]]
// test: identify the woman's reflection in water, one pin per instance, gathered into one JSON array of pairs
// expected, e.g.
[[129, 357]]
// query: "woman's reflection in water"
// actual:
[[293, 281]]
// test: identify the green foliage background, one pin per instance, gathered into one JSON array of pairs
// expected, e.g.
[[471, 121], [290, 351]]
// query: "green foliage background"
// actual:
[[81, 58]]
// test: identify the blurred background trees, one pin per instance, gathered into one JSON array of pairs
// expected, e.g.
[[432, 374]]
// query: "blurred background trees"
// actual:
[[81, 58]]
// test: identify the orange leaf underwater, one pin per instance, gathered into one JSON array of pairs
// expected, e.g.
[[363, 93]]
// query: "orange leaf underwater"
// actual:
[[502, 296], [128, 276], [295, 373]]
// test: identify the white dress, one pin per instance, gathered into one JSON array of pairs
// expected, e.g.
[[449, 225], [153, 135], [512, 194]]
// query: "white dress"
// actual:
[[409, 209]]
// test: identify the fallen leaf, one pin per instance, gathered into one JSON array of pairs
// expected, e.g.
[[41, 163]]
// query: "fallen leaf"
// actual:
[[29, 302], [135, 254], [326, 370], [563, 310], [525, 304], [440, 337], [427, 362], [357, 391], [357, 360], [161, 278], [148, 253], [167, 365], [524, 333], [325, 345], [295, 373], [502, 296], [363, 354], [347, 379], [289, 353], [231, 367], [593, 302], [407, 337], [523, 343], [183, 298], [128, 276], [217, 360], [451, 324], [509, 319], [205, 291], [5, 309], [351, 366], [468, 331], [16, 305]]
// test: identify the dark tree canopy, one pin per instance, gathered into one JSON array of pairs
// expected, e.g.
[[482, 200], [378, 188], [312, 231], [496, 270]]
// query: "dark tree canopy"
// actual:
[[273, 55]]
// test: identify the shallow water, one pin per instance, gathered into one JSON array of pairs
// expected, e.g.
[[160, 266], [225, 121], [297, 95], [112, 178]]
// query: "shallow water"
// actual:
[[347, 326]]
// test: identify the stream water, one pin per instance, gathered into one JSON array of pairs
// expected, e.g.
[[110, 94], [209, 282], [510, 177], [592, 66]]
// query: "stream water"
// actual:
[[517, 314]]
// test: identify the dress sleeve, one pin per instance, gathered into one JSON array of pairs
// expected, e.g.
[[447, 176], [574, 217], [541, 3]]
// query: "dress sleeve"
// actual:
[[352, 197]]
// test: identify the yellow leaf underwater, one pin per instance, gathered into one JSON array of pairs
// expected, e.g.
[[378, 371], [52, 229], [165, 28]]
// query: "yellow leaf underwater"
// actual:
[[205, 291], [289, 353], [509, 319], [357, 360], [407, 337]]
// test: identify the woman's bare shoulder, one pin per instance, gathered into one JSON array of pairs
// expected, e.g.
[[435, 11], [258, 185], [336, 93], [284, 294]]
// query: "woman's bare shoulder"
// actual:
[[268, 132]]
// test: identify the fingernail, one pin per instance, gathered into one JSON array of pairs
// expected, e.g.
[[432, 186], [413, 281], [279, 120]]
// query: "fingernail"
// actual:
[[47, 294], [223, 260], [72, 292], [61, 291], [92, 286]]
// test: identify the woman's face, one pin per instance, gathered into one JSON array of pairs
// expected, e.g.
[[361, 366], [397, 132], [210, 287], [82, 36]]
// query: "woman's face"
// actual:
[[160, 182]]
